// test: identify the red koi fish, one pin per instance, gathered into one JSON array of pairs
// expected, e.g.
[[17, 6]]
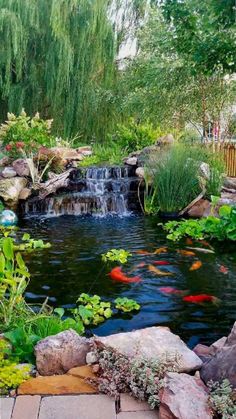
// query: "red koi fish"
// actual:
[[117, 275], [142, 252], [223, 269], [171, 290], [160, 263], [200, 298]]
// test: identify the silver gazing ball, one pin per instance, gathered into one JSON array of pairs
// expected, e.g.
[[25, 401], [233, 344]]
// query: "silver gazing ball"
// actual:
[[8, 218]]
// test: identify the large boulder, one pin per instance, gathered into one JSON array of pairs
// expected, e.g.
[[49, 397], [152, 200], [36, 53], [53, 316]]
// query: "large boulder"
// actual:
[[58, 354], [21, 167], [222, 365], [199, 208], [151, 343], [10, 190], [166, 140], [184, 397], [65, 153]]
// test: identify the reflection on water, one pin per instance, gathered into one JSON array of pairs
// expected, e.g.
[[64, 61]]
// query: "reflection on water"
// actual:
[[73, 265]]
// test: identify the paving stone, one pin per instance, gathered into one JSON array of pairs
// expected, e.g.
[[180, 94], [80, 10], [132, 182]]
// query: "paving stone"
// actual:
[[137, 415], [78, 407], [130, 404], [26, 407], [56, 385], [6, 407]]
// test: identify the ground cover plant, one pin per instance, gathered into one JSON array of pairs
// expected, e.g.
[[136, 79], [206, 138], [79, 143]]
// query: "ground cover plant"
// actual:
[[222, 228], [222, 399]]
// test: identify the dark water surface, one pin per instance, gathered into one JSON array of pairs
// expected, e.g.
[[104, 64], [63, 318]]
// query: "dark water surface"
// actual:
[[73, 265]]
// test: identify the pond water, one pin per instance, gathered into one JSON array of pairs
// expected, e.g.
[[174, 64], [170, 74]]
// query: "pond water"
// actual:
[[73, 265]]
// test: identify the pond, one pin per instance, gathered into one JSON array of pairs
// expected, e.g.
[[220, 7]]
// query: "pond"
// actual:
[[73, 265]]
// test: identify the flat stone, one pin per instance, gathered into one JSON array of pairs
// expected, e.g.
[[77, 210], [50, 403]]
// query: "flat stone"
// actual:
[[80, 407], [139, 415], [59, 353], [6, 407], [184, 397], [82, 372], [27, 404], [25, 193], [222, 365], [153, 342], [130, 404], [85, 150], [57, 385], [8, 172], [131, 161]]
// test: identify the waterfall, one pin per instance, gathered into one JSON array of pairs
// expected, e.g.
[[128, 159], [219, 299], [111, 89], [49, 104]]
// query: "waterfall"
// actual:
[[92, 191]]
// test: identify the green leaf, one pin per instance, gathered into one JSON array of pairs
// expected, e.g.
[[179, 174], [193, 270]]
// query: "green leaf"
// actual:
[[8, 248]]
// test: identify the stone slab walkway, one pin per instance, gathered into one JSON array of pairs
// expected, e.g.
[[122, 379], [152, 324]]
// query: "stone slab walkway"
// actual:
[[74, 407]]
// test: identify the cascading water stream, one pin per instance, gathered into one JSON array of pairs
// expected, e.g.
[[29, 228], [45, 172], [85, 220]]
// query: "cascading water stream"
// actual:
[[94, 191]]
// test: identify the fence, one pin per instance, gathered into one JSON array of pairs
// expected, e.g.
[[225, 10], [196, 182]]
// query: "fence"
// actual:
[[229, 153]]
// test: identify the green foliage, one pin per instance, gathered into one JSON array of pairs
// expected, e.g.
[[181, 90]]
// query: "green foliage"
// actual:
[[175, 180], [140, 377], [223, 228], [14, 278], [215, 182], [11, 375], [23, 133], [126, 304], [222, 399], [24, 244], [116, 255], [112, 154], [92, 310], [133, 136]]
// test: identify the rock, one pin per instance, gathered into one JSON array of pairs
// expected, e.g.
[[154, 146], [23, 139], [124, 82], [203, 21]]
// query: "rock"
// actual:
[[140, 172], [4, 161], [153, 342], [58, 354], [131, 161], [21, 167], [25, 193], [10, 190], [65, 153], [167, 139], [184, 397], [230, 183], [85, 150], [199, 209], [216, 346], [222, 365], [203, 351], [205, 172], [57, 384], [8, 172], [91, 358]]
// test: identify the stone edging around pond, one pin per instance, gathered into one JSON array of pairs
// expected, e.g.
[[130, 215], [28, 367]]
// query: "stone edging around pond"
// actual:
[[61, 363]]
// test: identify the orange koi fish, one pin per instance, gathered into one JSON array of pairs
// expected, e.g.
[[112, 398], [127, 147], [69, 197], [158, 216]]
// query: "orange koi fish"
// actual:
[[189, 241], [186, 253], [171, 290], [201, 298], [196, 265], [223, 269], [117, 275], [142, 252], [160, 250], [157, 271]]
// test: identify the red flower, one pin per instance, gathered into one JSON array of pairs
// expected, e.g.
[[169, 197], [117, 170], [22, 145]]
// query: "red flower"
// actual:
[[8, 147], [20, 144]]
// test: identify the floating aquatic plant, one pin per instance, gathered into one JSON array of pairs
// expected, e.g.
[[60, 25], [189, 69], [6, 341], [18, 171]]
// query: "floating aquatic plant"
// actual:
[[116, 255]]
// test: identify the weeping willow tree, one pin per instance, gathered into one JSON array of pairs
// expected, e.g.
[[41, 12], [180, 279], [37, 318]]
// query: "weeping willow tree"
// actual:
[[58, 57]]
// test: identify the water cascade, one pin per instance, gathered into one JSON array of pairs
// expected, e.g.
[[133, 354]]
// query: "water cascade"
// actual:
[[92, 191]]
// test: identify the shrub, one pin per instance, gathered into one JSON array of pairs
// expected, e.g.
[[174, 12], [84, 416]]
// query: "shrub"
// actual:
[[216, 176], [26, 133], [133, 136], [175, 180], [112, 154]]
